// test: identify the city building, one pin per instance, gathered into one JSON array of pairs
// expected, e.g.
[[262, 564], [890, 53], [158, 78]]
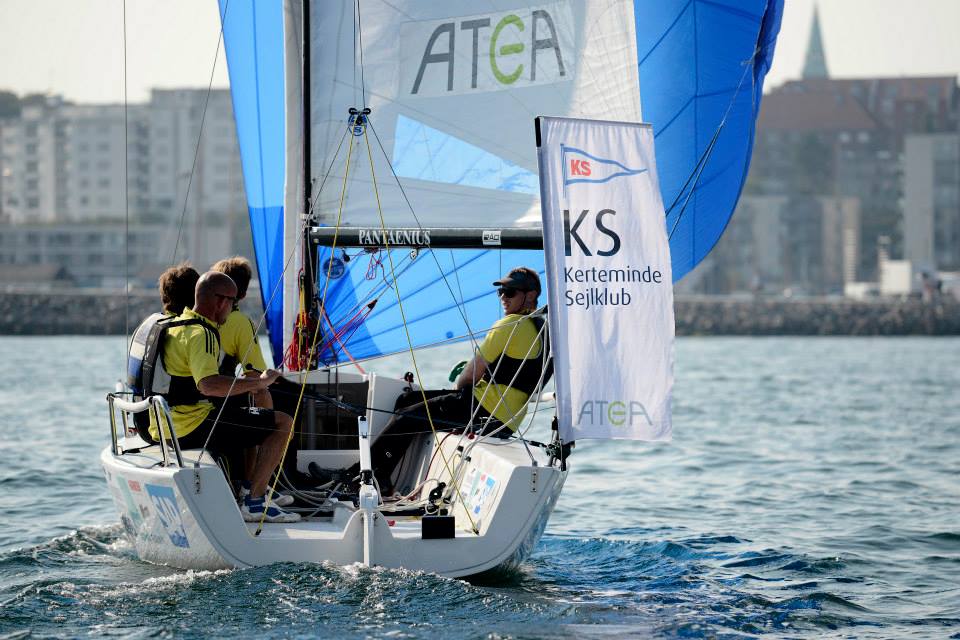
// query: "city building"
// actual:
[[778, 244], [61, 162], [848, 177], [931, 202], [102, 254], [73, 176]]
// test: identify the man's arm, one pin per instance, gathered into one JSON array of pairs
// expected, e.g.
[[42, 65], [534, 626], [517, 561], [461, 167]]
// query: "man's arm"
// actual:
[[218, 386], [471, 373]]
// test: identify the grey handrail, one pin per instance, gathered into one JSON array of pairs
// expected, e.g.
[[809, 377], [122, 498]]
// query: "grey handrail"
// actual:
[[159, 406]]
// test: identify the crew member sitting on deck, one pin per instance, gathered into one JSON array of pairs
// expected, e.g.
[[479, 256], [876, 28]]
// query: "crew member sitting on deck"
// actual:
[[238, 335], [191, 355], [491, 391], [238, 340]]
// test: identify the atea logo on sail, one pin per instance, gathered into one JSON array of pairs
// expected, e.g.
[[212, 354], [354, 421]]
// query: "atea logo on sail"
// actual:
[[487, 52], [614, 413]]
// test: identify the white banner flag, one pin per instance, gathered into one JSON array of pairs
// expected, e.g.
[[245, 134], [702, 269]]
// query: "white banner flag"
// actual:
[[610, 284]]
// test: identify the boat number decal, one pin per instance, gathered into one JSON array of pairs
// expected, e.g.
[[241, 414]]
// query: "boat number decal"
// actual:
[[165, 502], [491, 238]]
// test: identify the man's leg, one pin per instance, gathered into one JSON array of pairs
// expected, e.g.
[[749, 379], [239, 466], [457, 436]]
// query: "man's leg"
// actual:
[[271, 451], [448, 410]]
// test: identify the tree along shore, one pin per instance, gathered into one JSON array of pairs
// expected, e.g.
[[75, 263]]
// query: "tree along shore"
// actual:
[[103, 313]]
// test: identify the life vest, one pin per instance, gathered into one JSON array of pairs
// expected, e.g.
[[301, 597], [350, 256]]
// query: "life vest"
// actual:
[[146, 375], [524, 374]]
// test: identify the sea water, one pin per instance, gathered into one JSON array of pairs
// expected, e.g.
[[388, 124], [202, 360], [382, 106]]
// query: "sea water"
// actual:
[[811, 490]]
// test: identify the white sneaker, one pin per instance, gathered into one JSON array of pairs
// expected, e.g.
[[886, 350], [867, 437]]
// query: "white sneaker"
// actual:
[[253, 510], [276, 498]]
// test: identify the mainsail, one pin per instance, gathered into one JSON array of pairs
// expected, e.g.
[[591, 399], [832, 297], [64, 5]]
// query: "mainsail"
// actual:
[[453, 89]]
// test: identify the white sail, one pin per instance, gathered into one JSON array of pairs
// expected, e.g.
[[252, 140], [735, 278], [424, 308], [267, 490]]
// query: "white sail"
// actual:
[[454, 87]]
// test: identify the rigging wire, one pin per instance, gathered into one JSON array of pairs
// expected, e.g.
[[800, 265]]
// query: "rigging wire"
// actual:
[[316, 332], [363, 88], [196, 151], [126, 190], [460, 305], [701, 165], [406, 329]]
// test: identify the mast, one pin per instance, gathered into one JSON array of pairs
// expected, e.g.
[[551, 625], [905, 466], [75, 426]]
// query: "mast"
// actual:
[[309, 248]]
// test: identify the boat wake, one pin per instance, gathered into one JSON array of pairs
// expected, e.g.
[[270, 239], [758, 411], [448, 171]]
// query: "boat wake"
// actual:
[[89, 581]]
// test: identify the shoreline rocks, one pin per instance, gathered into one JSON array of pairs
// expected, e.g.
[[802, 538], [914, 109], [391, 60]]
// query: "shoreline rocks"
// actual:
[[103, 313]]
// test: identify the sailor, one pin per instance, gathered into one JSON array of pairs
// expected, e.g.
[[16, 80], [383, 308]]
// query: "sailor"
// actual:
[[191, 356], [238, 341], [491, 391], [238, 335], [177, 286]]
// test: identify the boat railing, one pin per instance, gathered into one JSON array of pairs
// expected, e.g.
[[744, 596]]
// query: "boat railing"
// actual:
[[161, 413]]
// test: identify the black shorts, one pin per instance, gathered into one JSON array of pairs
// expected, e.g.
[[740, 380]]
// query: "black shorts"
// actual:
[[238, 428]]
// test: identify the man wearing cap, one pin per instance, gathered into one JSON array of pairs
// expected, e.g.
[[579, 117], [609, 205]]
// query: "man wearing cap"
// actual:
[[505, 371]]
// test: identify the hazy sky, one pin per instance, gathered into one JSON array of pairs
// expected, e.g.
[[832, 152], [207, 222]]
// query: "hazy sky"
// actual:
[[74, 47]]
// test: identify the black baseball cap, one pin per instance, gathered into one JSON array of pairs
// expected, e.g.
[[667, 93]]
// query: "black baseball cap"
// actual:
[[522, 278]]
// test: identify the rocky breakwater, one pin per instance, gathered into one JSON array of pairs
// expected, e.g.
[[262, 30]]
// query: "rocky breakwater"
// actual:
[[78, 313], [105, 313], [816, 317]]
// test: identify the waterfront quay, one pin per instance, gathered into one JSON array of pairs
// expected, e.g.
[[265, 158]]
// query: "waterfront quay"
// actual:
[[100, 312]]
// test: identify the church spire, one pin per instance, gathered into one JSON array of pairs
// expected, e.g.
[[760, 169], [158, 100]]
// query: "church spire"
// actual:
[[816, 63]]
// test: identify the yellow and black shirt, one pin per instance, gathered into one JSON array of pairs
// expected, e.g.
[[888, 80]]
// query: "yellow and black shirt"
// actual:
[[238, 339], [194, 351], [516, 337]]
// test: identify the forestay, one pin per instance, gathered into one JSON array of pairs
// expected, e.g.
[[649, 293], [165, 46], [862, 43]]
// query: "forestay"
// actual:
[[453, 88]]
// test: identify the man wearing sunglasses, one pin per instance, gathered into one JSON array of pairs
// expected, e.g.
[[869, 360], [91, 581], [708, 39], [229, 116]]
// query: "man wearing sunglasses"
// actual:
[[491, 392], [191, 356]]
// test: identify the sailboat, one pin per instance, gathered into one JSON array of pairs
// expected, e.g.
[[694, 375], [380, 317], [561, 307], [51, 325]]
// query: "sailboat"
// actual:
[[393, 169]]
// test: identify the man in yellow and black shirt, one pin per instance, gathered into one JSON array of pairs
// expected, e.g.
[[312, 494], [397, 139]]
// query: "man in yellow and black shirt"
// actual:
[[508, 367], [191, 355], [238, 341]]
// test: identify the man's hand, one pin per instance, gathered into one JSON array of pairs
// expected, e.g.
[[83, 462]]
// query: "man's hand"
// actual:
[[219, 386], [269, 376], [471, 373]]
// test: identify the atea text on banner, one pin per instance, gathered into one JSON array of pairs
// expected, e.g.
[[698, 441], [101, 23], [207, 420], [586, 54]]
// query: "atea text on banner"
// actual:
[[610, 284]]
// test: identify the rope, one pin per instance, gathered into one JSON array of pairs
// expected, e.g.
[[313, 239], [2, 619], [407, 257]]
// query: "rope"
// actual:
[[316, 331], [203, 118], [126, 184], [406, 328]]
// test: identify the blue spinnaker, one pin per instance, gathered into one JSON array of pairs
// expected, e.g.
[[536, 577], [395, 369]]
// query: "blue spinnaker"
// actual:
[[701, 67], [253, 38]]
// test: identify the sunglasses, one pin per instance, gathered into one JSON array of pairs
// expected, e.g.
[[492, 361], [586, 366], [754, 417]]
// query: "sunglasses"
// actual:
[[230, 298], [508, 292]]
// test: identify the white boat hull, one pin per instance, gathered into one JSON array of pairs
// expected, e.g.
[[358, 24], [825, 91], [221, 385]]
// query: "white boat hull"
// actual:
[[188, 518]]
